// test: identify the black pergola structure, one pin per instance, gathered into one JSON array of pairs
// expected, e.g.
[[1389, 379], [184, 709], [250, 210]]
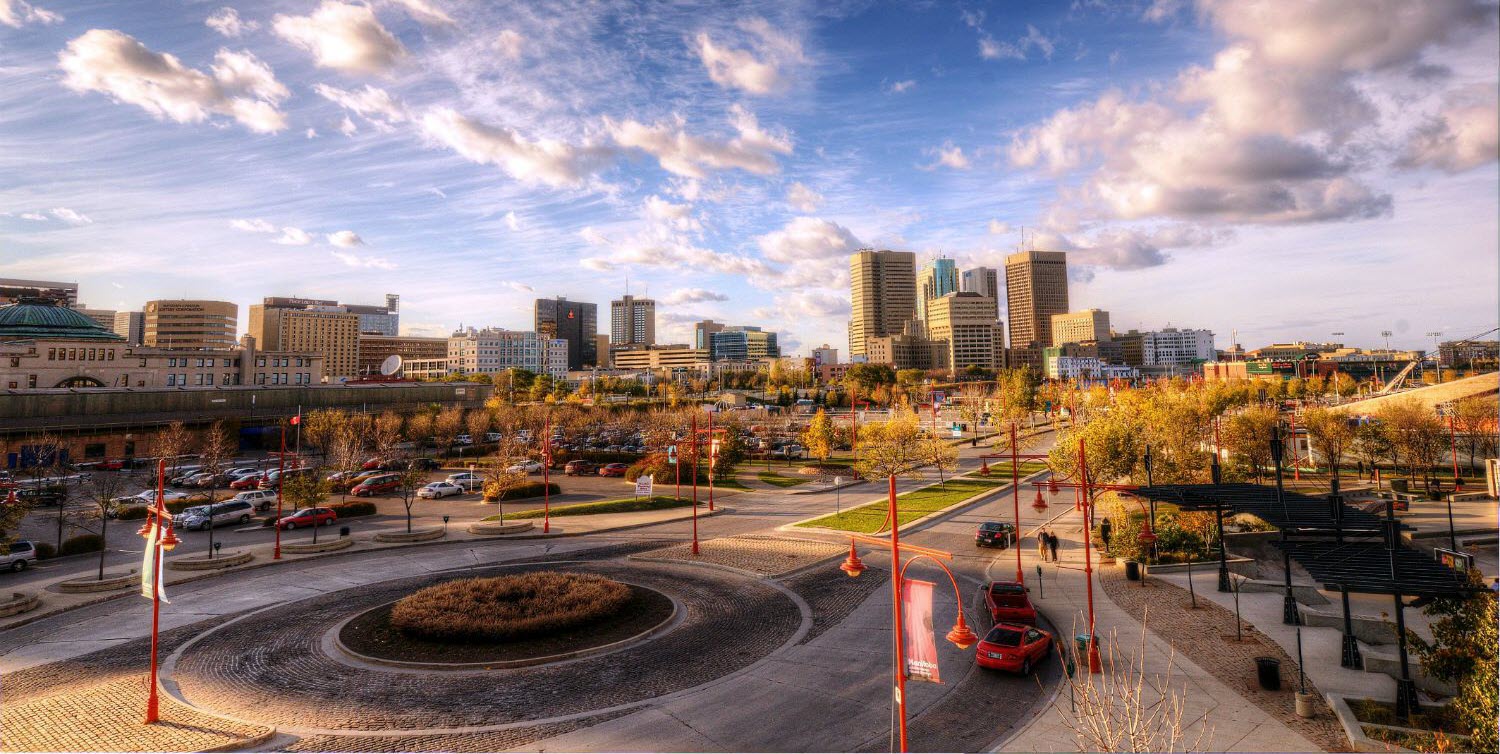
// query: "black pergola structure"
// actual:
[[1341, 547]]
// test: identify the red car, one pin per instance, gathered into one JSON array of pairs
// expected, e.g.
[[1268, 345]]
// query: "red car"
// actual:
[[112, 464], [249, 482], [309, 517], [377, 485], [1013, 647], [372, 464], [579, 467], [1008, 602], [613, 469]]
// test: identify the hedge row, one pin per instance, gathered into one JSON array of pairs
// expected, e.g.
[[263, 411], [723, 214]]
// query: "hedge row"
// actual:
[[72, 546], [528, 489], [348, 510]]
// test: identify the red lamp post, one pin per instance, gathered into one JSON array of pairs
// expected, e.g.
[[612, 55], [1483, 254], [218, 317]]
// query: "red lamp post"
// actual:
[[159, 518], [546, 476], [695, 483], [280, 474], [960, 635]]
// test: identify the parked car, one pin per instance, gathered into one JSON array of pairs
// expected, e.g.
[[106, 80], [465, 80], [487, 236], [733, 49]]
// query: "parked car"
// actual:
[[1013, 647], [424, 464], [203, 517], [525, 467], [437, 490], [261, 499], [282, 476], [1008, 602], [468, 480], [377, 485], [149, 496], [112, 464], [492, 437], [204, 480], [42, 495], [579, 467], [240, 472], [994, 534], [19, 556], [373, 463], [613, 469], [248, 481], [309, 517], [463, 440]]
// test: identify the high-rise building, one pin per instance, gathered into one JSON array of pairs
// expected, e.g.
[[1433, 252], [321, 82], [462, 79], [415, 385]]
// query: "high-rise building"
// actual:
[[965, 326], [1089, 325], [743, 344], [883, 296], [178, 323], [573, 321], [375, 349], [13, 290], [379, 320], [1036, 287], [632, 322], [937, 278], [825, 354], [330, 330], [702, 331], [131, 326], [601, 350], [105, 317], [983, 281], [493, 350], [1174, 347]]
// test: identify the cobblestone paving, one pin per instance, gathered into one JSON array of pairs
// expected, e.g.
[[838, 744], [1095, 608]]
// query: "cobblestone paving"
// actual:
[[270, 667], [833, 596], [767, 556], [106, 716], [493, 741], [1206, 636]]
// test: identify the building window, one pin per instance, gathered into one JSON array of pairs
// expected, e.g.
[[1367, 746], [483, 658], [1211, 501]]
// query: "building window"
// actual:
[[171, 380], [226, 378], [182, 379], [30, 380], [52, 354], [111, 354], [14, 384], [261, 361]]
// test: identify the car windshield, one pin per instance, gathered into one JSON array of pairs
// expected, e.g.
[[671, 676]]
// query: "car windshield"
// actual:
[[991, 526], [1005, 637], [302, 513]]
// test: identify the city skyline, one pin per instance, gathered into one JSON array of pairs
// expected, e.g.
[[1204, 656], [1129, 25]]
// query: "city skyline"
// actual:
[[731, 160]]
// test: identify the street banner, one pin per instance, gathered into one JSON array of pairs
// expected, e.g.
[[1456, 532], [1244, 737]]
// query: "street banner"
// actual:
[[643, 486], [921, 647], [148, 566]]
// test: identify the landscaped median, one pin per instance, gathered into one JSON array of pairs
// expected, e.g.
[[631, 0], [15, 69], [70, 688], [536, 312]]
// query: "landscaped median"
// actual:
[[777, 480], [623, 505], [910, 506]]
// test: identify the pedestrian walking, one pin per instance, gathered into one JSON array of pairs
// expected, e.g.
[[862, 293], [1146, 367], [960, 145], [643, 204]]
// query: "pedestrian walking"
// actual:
[[1041, 544], [1052, 545], [1104, 529]]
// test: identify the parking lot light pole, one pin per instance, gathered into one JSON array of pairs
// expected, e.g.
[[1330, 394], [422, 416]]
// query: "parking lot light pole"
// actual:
[[280, 472], [160, 520], [546, 478], [695, 483]]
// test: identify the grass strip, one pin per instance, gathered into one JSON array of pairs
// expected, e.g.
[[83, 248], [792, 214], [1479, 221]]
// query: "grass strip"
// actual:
[[772, 478], [623, 505], [866, 519]]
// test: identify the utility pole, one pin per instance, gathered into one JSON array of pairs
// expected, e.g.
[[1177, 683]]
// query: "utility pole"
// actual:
[[1437, 354]]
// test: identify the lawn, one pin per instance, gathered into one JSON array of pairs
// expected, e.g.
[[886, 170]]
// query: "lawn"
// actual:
[[866, 519], [1000, 469], [770, 477], [623, 505]]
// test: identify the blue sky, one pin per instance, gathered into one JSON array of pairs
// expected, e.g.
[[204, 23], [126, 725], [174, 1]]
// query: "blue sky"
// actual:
[[1280, 170]]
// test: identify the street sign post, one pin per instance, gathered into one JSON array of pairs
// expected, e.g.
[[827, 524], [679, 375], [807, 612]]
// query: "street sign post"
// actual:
[[643, 486]]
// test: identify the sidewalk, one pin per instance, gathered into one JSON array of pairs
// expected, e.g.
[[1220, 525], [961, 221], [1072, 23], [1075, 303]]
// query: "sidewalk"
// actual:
[[1234, 724]]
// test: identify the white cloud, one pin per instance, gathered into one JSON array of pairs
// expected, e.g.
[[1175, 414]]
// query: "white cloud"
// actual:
[[347, 126], [18, 13], [518, 287], [355, 260], [115, 64], [345, 238], [757, 70], [997, 228], [948, 156], [546, 161], [802, 304], [597, 264], [802, 198], [372, 103], [753, 150], [512, 222], [311, 133], [693, 296], [675, 216], [425, 12], [71, 217], [36, 217], [807, 238], [344, 37], [993, 49], [256, 225], [293, 237], [1462, 136], [900, 87], [227, 22], [510, 43]]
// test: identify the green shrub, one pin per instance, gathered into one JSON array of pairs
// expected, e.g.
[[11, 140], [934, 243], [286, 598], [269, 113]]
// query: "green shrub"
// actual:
[[662, 472], [81, 544], [529, 489], [44, 550], [349, 510], [131, 513], [505, 608]]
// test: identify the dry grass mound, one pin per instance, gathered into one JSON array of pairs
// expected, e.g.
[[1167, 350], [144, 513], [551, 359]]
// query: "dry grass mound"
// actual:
[[507, 608]]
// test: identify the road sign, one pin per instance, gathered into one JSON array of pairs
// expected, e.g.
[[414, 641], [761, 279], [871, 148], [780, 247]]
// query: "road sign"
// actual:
[[838, 480], [643, 486], [671, 454]]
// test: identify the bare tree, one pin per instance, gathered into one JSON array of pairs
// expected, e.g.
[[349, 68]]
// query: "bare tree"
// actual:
[[346, 453], [320, 427], [447, 425], [104, 488], [171, 442], [305, 488], [409, 478], [42, 463], [385, 432], [940, 454], [478, 424], [216, 452]]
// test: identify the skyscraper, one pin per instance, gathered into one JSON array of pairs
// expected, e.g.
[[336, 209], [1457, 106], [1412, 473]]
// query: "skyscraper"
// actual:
[[936, 279], [632, 322], [131, 326], [965, 331], [883, 296], [1036, 287], [983, 281], [192, 324], [573, 321], [281, 324], [703, 332]]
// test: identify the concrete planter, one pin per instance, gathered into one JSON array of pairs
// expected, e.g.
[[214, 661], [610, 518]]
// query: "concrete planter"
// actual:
[[327, 545], [1306, 595], [18, 603], [107, 584], [201, 563], [492, 528], [1305, 708], [1354, 730], [1202, 566], [418, 535]]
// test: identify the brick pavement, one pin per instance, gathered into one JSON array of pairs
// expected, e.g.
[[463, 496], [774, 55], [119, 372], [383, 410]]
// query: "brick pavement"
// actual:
[[106, 716], [833, 596], [766, 556], [499, 740], [1206, 636]]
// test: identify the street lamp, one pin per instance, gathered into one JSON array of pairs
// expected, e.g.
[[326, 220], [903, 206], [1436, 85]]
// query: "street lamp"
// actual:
[[158, 519], [1437, 353], [960, 635]]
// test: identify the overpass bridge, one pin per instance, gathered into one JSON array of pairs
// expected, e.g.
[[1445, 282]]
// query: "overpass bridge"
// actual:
[[1430, 396]]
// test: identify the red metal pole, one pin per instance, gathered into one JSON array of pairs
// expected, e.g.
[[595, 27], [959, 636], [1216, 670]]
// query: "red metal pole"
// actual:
[[1015, 498], [899, 625], [712, 461], [695, 484], [1453, 438], [152, 703], [546, 477], [854, 422], [677, 470], [1296, 472], [1095, 665], [280, 473]]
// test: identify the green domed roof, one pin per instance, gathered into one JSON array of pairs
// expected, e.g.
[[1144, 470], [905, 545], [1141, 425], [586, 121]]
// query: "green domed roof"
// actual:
[[28, 321]]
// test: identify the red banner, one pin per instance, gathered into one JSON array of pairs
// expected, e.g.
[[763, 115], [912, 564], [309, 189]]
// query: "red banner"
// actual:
[[921, 647]]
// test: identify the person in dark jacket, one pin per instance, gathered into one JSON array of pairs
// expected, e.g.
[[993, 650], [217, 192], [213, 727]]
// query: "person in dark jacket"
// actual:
[[1052, 545], [1104, 529]]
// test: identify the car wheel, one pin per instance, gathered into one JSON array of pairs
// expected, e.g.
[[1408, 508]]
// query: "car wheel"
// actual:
[[290, 526], [245, 519], [1026, 667], [18, 566]]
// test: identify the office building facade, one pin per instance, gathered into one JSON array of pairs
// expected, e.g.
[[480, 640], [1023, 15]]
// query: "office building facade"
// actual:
[[375, 349], [704, 330], [825, 354], [329, 330], [937, 278], [574, 321], [743, 344], [131, 326], [984, 281], [13, 290], [632, 322], [967, 334], [377, 320], [190, 325], [883, 297], [493, 350], [1080, 327], [1036, 287], [1174, 347]]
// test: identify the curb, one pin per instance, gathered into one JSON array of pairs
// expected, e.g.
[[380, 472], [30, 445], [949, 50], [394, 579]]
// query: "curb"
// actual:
[[216, 564]]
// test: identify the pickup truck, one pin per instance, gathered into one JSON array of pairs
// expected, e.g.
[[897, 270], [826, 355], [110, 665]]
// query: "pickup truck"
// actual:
[[1008, 602]]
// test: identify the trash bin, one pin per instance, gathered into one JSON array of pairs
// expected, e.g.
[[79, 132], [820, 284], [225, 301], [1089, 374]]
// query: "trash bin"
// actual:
[[343, 531], [1400, 485], [1132, 570], [1081, 641], [1268, 671]]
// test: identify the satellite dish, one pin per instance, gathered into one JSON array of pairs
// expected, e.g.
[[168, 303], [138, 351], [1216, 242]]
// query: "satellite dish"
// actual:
[[391, 365]]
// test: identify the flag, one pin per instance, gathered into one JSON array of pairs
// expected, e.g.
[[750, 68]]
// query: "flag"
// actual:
[[149, 574], [297, 419], [921, 661]]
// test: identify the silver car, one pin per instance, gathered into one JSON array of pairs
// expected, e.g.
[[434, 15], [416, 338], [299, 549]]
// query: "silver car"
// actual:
[[229, 511]]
